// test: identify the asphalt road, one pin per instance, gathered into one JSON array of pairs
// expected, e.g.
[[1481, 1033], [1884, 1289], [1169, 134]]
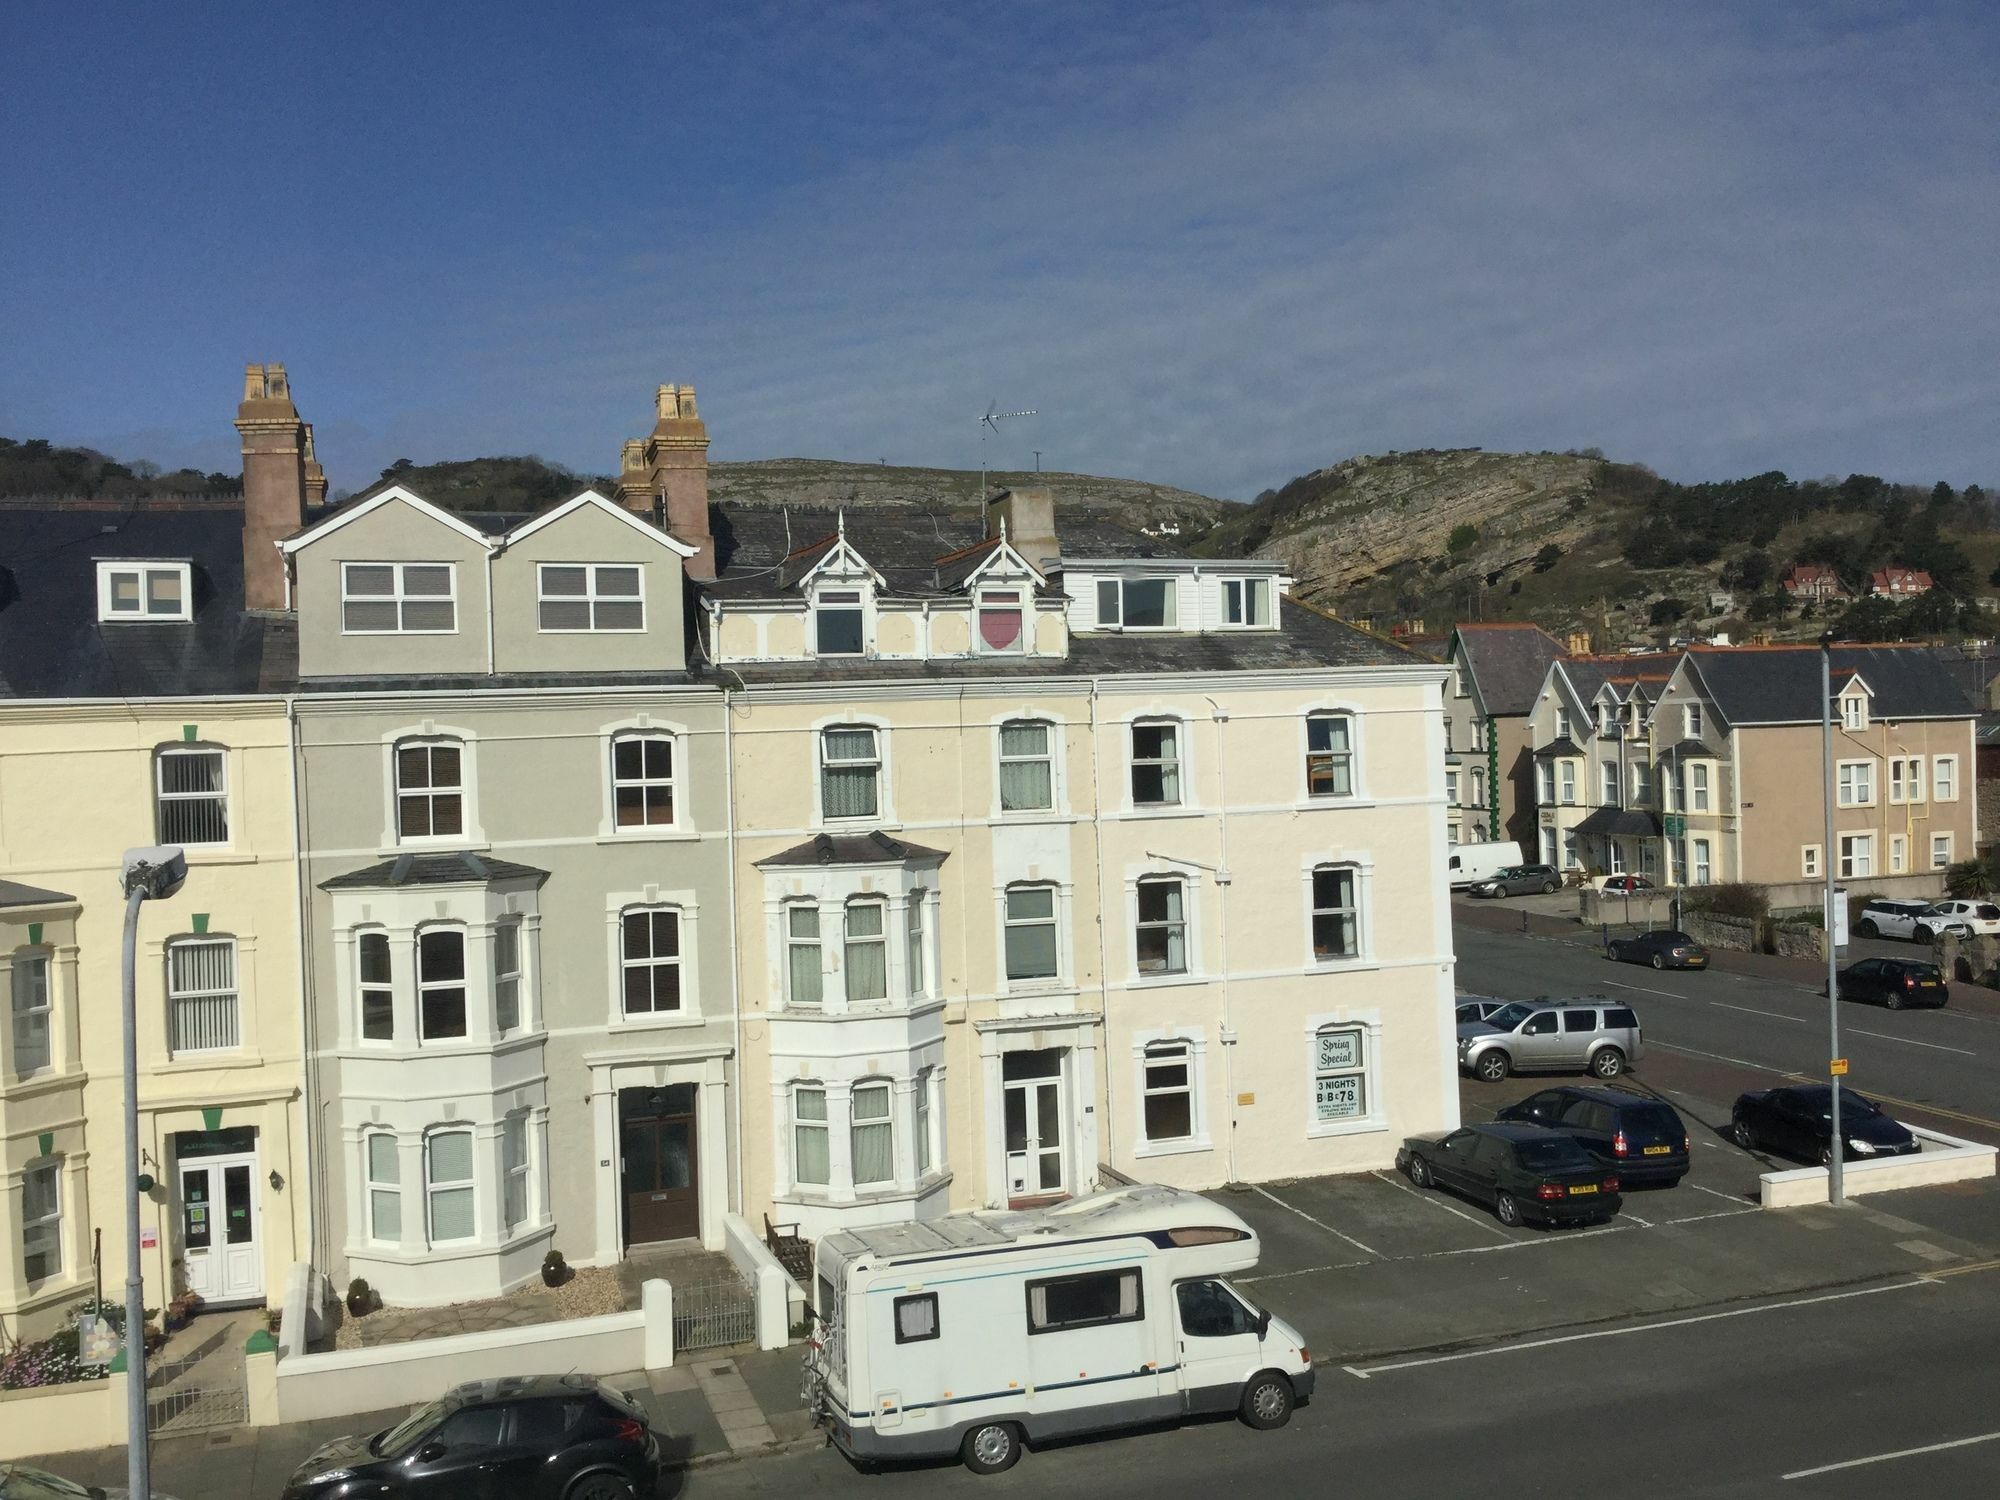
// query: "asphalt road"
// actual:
[[1946, 1060], [1732, 1403]]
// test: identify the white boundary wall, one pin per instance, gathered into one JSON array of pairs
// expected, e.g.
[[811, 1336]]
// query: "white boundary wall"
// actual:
[[1944, 1158], [780, 1300]]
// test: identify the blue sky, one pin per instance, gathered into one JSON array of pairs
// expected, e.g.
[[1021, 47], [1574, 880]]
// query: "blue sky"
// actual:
[[1214, 246]]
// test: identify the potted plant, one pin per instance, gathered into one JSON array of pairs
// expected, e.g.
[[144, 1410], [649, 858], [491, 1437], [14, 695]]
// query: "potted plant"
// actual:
[[360, 1297], [554, 1272]]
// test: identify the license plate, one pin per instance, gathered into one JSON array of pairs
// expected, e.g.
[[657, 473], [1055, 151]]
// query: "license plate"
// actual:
[[1659, 1150], [1927, 984], [1584, 1191], [1696, 963]]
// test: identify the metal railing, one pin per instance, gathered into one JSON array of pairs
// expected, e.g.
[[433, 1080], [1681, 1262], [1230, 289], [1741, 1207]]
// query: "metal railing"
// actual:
[[202, 1391], [713, 1314]]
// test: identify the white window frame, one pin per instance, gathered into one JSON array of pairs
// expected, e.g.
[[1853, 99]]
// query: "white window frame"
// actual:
[[849, 940], [1854, 712], [922, 1122], [840, 597], [1944, 778], [652, 962], [591, 598], [886, 1121], [1906, 780], [1327, 1068], [431, 791], [1170, 615], [1545, 783], [426, 985], [916, 946], [1374, 1117], [1314, 912], [1451, 787], [1899, 854], [1607, 779], [823, 1124], [1809, 855], [1701, 861], [1701, 787], [1008, 921], [1858, 789], [201, 997], [1331, 761], [399, 596], [31, 1007], [1566, 782], [141, 574], [162, 797], [509, 981], [1478, 788], [433, 1188], [378, 1188], [515, 1175], [1565, 730], [646, 785], [1168, 1053], [996, 597], [1857, 856], [1941, 850], [1178, 760], [1691, 724], [1048, 758], [44, 1227], [878, 760], [796, 943], [1452, 834], [1168, 926], [1247, 590], [364, 987], [1642, 783]]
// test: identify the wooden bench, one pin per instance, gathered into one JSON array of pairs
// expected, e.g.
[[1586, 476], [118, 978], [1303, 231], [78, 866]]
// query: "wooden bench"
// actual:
[[794, 1250]]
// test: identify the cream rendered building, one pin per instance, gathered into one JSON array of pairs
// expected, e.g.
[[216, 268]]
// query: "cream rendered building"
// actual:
[[1058, 853]]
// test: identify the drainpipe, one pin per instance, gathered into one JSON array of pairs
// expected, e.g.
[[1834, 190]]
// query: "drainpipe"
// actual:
[[736, 945], [1222, 882], [308, 1060], [1108, 1126]]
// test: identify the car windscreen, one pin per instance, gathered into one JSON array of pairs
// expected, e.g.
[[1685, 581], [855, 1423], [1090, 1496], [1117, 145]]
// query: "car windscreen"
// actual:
[[407, 1433], [1507, 1017], [1550, 1155], [1986, 912]]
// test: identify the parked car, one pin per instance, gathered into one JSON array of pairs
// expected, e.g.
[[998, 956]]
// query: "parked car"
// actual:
[[21, 1482], [1664, 949], [1523, 1172], [1479, 1007], [1894, 982], [1641, 1136], [1798, 1122], [1521, 880], [1919, 921], [542, 1437], [1625, 885], [1537, 1034], [1466, 863], [1979, 917]]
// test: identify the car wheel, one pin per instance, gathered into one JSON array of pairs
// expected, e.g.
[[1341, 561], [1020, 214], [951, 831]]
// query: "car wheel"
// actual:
[[991, 1448], [1868, 930], [1548, 887], [1267, 1401], [1659, 961], [1921, 935], [1493, 1065], [1894, 999], [1746, 1136], [1608, 1062], [1420, 1172], [1507, 1211], [600, 1487]]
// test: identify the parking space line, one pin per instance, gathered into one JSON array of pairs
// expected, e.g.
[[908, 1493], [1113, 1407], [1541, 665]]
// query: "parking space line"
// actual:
[[1726, 1197], [1741, 1062], [1751, 1010], [1907, 1042], [1338, 1265], [1720, 1213], [1547, 1238], [1436, 1202], [1605, 1333], [1883, 1458], [1350, 1239], [1670, 994]]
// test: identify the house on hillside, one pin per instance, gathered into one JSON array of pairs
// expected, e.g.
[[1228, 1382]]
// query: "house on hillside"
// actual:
[[1899, 583], [1496, 671], [1815, 582]]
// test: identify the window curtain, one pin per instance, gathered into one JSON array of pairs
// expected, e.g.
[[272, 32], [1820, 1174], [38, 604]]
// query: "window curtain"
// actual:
[[867, 954], [1031, 934], [202, 978], [810, 1164], [872, 1136], [803, 940], [451, 1186], [385, 1201], [848, 789], [1025, 782]]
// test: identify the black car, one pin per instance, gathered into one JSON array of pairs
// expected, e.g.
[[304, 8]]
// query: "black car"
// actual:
[[544, 1437], [1798, 1122], [1526, 1172], [1639, 1135], [1665, 949], [1894, 982]]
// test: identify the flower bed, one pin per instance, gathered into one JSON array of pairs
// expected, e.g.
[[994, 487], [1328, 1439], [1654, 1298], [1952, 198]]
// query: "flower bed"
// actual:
[[54, 1360]]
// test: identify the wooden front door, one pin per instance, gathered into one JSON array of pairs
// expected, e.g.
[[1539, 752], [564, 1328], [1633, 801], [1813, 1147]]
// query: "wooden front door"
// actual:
[[660, 1166]]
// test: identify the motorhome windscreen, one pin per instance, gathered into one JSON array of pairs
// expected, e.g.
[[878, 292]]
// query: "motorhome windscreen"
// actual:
[[1087, 1301]]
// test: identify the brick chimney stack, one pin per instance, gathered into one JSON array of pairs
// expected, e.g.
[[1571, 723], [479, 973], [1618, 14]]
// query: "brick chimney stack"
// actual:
[[277, 449], [665, 475], [315, 475], [1029, 512]]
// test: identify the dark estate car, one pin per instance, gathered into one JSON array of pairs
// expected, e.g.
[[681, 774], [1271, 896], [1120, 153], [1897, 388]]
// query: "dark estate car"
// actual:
[[1520, 880], [1641, 1136], [546, 1437], [1798, 1121], [1894, 982], [1665, 949], [1526, 1172]]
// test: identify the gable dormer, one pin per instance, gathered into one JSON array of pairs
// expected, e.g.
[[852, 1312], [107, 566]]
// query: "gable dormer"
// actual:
[[840, 589], [1854, 701]]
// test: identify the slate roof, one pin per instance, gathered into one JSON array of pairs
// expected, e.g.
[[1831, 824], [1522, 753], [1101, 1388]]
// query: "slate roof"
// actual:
[[13, 893], [1621, 822], [51, 644], [1973, 673], [1507, 664], [1557, 748], [432, 869], [1780, 684], [876, 848]]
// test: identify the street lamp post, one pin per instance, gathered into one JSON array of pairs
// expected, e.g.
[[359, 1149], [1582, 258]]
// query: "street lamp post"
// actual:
[[148, 874], [1837, 1159]]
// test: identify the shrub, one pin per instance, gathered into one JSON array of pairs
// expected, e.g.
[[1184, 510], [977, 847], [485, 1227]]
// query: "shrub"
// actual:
[[1972, 877], [1732, 899], [1463, 535]]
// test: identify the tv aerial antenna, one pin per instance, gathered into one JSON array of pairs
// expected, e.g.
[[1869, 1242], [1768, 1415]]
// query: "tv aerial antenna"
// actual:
[[991, 423]]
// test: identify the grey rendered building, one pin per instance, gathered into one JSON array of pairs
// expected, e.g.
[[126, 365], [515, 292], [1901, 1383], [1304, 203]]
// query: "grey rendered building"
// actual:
[[513, 822]]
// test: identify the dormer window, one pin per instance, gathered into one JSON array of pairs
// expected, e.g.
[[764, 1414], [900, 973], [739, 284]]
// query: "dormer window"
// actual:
[[1854, 711], [590, 597], [1000, 620], [1246, 602], [837, 622], [136, 591], [1136, 603], [1692, 714]]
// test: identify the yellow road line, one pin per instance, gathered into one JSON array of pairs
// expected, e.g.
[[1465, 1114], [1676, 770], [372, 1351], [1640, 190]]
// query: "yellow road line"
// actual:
[[1981, 1265]]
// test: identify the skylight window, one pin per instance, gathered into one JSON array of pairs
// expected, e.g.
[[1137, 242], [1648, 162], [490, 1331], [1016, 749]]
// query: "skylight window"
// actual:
[[143, 592]]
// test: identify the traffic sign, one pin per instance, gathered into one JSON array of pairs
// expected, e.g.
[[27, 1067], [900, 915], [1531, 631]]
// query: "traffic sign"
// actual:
[[1838, 1068]]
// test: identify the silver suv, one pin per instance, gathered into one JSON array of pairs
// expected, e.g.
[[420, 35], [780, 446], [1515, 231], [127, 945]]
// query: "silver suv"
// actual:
[[1593, 1034]]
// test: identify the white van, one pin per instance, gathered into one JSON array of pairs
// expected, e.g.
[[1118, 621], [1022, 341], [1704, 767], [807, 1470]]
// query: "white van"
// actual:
[[1468, 863], [978, 1332]]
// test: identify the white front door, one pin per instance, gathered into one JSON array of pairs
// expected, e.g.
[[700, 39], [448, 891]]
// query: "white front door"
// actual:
[[1033, 1087], [221, 1221]]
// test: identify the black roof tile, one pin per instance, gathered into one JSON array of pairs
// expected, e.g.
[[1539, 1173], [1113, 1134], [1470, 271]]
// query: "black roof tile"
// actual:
[[1781, 684], [876, 848], [1507, 664], [432, 869], [13, 893]]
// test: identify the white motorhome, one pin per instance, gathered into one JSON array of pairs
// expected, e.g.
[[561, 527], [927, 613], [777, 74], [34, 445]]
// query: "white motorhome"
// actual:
[[1467, 864], [978, 1332]]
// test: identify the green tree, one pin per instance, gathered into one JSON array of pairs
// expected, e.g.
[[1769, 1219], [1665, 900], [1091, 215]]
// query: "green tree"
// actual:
[[1666, 611], [1548, 557], [1463, 535]]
